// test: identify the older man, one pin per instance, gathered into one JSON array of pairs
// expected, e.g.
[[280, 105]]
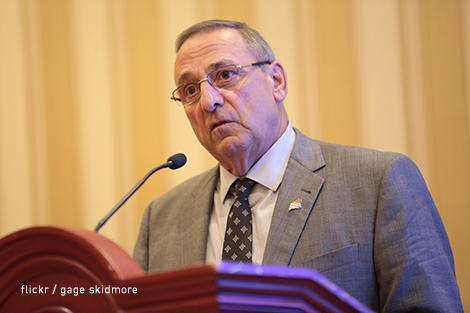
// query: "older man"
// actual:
[[363, 218]]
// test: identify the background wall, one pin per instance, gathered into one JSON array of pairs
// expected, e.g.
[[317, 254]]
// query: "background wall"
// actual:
[[85, 109]]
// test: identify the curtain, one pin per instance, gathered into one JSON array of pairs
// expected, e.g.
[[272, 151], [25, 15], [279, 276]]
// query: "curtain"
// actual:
[[85, 109]]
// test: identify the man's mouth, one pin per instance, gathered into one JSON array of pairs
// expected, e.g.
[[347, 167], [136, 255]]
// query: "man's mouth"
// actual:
[[219, 123]]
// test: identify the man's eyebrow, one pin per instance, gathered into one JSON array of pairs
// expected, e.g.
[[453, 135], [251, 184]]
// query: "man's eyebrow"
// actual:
[[184, 77], [219, 64]]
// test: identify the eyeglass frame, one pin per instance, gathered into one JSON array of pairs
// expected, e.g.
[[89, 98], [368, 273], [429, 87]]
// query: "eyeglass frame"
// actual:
[[179, 102]]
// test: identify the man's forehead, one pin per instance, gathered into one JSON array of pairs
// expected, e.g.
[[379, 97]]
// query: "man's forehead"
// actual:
[[208, 51]]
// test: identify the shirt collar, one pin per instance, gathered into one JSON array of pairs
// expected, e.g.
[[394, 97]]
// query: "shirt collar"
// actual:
[[269, 169]]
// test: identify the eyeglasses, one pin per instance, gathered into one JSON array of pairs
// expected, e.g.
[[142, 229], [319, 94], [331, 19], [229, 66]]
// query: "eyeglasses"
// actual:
[[221, 78]]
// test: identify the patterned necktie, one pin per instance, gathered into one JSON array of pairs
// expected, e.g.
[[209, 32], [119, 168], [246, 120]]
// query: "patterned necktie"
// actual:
[[238, 234]]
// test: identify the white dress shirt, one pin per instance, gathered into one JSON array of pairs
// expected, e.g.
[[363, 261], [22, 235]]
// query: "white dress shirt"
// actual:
[[268, 173]]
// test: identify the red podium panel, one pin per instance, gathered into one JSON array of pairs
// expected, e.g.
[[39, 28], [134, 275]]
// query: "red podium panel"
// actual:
[[59, 270]]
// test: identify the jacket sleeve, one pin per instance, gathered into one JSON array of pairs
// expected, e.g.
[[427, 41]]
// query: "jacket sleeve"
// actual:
[[141, 248], [412, 254]]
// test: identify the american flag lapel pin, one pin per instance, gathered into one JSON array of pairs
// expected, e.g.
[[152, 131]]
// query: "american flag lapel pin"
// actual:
[[297, 204]]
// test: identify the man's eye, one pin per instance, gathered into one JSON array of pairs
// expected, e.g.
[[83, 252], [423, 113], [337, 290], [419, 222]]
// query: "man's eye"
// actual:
[[226, 74], [190, 90]]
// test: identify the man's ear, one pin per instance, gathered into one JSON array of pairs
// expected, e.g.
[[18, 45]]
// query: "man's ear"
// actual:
[[279, 75]]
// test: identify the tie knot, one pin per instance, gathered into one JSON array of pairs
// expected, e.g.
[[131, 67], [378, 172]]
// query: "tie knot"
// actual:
[[243, 188]]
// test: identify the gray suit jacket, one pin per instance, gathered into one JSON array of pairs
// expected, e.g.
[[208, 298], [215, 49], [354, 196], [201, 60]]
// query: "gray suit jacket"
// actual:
[[367, 222]]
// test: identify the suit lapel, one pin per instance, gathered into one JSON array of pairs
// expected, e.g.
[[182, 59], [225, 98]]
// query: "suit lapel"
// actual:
[[194, 229], [300, 182]]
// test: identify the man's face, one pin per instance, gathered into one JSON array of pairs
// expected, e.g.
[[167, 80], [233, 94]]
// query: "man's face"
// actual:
[[242, 122]]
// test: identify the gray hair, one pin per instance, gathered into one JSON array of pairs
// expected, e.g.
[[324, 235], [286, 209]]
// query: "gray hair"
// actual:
[[256, 44]]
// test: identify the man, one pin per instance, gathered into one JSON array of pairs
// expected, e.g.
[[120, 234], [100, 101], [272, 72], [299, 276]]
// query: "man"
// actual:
[[363, 218]]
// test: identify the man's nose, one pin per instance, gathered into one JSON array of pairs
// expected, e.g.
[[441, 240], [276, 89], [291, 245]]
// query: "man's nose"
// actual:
[[210, 97]]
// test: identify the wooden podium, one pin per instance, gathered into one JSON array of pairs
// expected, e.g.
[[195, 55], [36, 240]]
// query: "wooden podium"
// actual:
[[61, 270]]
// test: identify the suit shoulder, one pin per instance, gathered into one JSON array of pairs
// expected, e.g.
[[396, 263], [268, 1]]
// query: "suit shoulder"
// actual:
[[342, 153], [317, 154], [354, 159]]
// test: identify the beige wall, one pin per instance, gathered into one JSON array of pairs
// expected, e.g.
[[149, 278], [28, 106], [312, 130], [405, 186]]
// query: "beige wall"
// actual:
[[85, 109]]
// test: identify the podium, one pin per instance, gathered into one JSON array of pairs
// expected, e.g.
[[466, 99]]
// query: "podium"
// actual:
[[63, 270]]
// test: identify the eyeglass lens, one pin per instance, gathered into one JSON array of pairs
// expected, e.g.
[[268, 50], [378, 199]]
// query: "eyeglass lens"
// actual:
[[220, 78]]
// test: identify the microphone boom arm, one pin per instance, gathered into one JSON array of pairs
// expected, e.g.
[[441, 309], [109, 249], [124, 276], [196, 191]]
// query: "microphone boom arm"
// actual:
[[173, 162]]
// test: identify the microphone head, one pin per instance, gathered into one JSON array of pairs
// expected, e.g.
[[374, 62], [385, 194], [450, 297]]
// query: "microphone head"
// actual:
[[177, 160]]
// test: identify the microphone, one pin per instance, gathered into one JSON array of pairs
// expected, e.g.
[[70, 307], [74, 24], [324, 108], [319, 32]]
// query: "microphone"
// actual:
[[174, 162]]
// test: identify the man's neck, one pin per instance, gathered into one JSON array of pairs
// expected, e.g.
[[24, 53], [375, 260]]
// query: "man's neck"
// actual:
[[240, 166]]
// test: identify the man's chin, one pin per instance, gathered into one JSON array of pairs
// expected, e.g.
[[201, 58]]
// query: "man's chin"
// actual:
[[230, 146]]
